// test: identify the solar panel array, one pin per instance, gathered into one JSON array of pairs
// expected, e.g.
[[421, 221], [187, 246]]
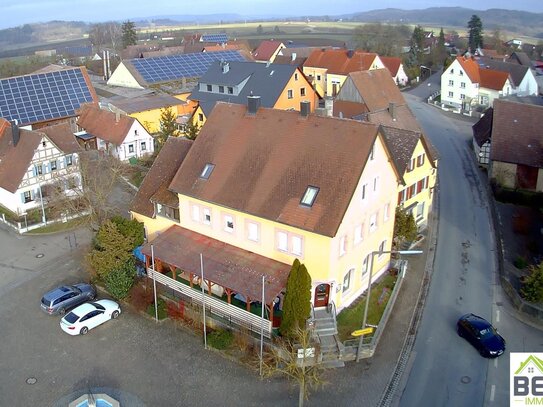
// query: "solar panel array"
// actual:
[[175, 67], [220, 38], [40, 97]]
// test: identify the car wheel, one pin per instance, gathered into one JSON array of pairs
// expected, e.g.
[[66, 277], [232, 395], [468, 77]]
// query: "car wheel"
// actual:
[[61, 311], [84, 330], [460, 333], [483, 353], [114, 314]]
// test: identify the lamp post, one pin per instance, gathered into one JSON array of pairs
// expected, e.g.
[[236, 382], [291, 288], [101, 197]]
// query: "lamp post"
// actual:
[[368, 291]]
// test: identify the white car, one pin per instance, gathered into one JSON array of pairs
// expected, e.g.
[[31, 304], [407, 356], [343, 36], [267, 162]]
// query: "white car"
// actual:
[[88, 316]]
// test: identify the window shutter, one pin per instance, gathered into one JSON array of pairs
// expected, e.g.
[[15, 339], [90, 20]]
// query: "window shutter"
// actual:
[[35, 171], [22, 197]]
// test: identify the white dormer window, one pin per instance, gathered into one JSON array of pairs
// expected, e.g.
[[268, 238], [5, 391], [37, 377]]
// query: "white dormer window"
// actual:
[[206, 172], [209, 88], [309, 196]]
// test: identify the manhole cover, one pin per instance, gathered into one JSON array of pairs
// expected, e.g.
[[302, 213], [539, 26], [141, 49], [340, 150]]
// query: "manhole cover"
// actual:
[[31, 380], [39, 255], [465, 379]]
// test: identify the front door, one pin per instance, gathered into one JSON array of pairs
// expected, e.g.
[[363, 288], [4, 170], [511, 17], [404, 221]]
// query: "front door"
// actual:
[[322, 294]]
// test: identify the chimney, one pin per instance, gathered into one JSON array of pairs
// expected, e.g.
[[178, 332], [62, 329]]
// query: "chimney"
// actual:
[[253, 103], [350, 53], [117, 117], [329, 106], [293, 56], [305, 108], [225, 66], [391, 110], [15, 131]]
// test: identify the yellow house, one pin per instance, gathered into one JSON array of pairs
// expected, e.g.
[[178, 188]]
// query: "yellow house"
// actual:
[[279, 86], [329, 68], [262, 187], [147, 109]]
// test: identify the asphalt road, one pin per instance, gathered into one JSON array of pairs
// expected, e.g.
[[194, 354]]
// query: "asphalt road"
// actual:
[[445, 369]]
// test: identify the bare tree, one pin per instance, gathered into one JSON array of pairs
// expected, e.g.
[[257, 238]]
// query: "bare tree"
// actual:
[[73, 194], [297, 359], [105, 35]]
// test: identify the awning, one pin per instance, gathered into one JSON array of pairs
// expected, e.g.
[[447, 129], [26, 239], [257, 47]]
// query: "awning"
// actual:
[[226, 265]]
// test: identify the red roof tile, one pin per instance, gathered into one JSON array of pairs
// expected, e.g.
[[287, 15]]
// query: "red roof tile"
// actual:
[[340, 61], [392, 64], [266, 49], [492, 79], [104, 124], [471, 67]]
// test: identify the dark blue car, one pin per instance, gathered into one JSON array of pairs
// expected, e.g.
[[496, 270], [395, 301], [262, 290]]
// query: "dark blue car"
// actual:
[[481, 334]]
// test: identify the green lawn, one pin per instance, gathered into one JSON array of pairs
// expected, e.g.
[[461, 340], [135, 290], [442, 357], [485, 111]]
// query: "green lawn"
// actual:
[[350, 319], [58, 227]]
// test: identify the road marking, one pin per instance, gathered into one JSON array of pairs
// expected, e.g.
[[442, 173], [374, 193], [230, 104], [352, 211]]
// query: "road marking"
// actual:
[[492, 392], [496, 363], [497, 315]]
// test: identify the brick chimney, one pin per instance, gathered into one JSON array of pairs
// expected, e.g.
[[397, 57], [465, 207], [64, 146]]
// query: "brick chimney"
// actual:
[[392, 110], [15, 135], [253, 103], [305, 108]]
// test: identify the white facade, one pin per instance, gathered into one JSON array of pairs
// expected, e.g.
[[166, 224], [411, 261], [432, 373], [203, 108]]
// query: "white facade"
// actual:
[[528, 86], [457, 89], [401, 77], [137, 143], [487, 96], [124, 78], [46, 166]]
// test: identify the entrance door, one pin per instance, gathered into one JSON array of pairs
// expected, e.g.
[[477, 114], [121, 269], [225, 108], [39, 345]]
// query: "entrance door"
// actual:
[[322, 294]]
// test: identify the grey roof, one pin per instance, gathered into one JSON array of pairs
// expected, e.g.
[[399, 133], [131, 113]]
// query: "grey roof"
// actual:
[[516, 71], [482, 130], [529, 100], [521, 58], [264, 80], [145, 102]]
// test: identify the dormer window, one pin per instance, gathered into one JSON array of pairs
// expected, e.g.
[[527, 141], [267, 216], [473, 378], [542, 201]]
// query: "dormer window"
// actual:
[[206, 172], [309, 196], [209, 88]]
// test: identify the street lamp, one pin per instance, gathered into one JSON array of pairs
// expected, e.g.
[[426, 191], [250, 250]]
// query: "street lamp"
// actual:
[[368, 291]]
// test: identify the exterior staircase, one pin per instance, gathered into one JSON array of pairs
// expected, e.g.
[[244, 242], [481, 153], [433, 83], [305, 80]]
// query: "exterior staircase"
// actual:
[[325, 329]]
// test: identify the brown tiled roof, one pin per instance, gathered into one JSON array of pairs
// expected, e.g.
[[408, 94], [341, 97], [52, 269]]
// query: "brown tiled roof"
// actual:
[[229, 266], [265, 162], [340, 61], [377, 89], [146, 102], [349, 110], [392, 64], [104, 124], [15, 159], [166, 164], [517, 135], [266, 49], [287, 60], [482, 130], [62, 136], [471, 67], [399, 116], [491, 79]]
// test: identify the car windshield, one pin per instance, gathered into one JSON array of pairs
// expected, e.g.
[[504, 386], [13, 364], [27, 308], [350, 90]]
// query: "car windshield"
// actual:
[[98, 306], [486, 333], [71, 317], [45, 302]]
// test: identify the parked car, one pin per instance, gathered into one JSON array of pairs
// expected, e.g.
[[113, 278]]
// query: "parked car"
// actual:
[[481, 334], [65, 297], [89, 315]]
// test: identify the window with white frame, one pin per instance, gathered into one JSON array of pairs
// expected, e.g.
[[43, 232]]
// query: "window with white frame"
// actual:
[[382, 247], [375, 184], [69, 160], [451, 94], [347, 280], [302, 91], [253, 231], [372, 152], [206, 172], [296, 76], [207, 216], [411, 165], [373, 222], [364, 191], [386, 212], [27, 196], [297, 245], [318, 77], [420, 210], [131, 148], [221, 89], [420, 160], [310, 195], [461, 73], [358, 234], [463, 85], [282, 241], [53, 165], [195, 213], [143, 146], [228, 223], [289, 94], [452, 71], [366, 264], [451, 82], [209, 88], [462, 96], [342, 245], [230, 90]]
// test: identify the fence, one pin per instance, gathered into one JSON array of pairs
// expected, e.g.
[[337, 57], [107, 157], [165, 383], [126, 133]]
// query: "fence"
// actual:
[[222, 309], [24, 226]]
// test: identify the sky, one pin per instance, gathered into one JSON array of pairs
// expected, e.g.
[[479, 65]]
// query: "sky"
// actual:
[[18, 12]]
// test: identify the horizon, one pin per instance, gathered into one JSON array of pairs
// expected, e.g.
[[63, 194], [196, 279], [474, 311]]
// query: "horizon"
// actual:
[[93, 11]]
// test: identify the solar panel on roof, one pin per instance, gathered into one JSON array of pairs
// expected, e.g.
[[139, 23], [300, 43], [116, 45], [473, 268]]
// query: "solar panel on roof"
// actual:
[[34, 98], [214, 38], [175, 67]]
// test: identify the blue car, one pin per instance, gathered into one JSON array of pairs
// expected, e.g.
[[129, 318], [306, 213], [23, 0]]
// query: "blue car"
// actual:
[[481, 334]]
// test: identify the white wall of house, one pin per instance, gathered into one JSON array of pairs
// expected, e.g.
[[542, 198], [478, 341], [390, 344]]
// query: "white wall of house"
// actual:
[[528, 86], [137, 143], [401, 77], [457, 88], [487, 96], [122, 77]]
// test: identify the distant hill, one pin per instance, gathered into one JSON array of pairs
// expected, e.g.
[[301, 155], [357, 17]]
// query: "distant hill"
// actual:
[[521, 22]]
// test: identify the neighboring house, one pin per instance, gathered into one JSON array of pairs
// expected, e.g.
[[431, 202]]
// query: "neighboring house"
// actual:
[[516, 151], [522, 77], [140, 73], [267, 51], [372, 96], [520, 58], [329, 68], [482, 132], [295, 55], [147, 109], [395, 66], [259, 188], [278, 86], [122, 136], [32, 160], [45, 98], [493, 85]]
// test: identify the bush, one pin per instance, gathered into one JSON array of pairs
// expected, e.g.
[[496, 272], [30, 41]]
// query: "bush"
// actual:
[[520, 262], [119, 281], [532, 289], [140, 297], [162, 313], [176, 311], [131, 229], [220, 339]]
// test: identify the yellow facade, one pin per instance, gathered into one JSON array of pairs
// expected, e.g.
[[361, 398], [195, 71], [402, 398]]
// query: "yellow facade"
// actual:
[[150, 119], [296, 90], [319, 78], [328, 259], [420, 179]]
